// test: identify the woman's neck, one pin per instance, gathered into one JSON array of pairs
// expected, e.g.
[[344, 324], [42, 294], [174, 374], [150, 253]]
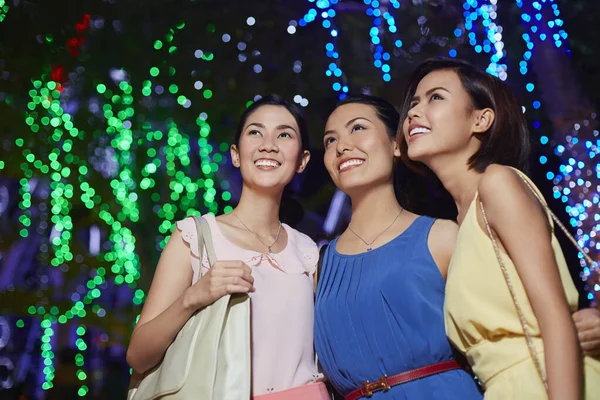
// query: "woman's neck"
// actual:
[[373, 208], [259, 211], [458, 179]]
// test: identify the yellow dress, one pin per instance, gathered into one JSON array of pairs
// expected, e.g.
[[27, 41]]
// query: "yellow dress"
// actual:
[[482, 321]]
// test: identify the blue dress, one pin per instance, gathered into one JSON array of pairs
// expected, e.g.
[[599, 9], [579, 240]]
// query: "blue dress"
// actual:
[[382, 312]]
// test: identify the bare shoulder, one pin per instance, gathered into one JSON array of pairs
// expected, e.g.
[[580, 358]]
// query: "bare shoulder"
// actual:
[[227, 221], [176, 239], [503, 191], [441, 242], [302, 238], [172, 276], [500, 182], [442, 237], [175, 258], [443, 229]]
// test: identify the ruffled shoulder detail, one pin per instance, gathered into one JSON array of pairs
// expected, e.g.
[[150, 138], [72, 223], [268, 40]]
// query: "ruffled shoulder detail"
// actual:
[[306, 250], [187, 227]]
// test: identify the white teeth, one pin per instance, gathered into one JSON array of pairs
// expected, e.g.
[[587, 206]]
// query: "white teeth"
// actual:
[[267, 163], [350, 163], [414, 131]]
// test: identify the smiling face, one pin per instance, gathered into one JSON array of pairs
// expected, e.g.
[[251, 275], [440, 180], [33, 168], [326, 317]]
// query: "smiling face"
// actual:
[[358, 149], [269, 152], [441, 119]]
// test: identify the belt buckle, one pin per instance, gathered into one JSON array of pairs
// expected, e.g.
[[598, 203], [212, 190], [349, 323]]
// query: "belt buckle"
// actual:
[[372, 387]]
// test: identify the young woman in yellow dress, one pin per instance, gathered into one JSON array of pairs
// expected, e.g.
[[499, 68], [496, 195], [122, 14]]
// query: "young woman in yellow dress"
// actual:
[[509, 295]]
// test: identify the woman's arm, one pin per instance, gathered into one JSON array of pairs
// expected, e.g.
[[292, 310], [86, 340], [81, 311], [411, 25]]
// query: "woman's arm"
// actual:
[[172, 300], [441, 242], [523, 229], [164, 312]]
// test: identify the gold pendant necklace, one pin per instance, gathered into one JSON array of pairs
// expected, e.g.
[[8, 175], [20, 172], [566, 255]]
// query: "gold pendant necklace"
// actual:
[[259, 239], [369, 245]]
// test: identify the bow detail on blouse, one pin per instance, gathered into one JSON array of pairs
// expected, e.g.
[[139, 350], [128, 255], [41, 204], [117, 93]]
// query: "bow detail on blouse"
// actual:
[[258, 259]]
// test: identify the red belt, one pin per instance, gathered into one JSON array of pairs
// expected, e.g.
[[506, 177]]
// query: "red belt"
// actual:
[[386, 382]]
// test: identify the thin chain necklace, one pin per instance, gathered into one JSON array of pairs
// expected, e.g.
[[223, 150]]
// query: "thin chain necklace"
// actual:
[[369, 247], [259, 239]]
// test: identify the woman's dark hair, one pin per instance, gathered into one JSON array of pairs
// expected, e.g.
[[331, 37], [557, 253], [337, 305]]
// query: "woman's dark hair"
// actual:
[[385, 111], [276, 100], [507, 140]]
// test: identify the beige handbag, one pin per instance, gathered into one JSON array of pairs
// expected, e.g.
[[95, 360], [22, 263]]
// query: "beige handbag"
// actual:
[[210, 356], [524, 325]]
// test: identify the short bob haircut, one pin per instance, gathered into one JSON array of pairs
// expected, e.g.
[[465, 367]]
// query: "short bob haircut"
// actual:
[[276, 100], [507, 140]]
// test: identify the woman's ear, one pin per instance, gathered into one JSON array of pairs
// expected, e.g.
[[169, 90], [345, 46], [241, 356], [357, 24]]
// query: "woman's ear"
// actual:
[[397, 151], [304, 159], [235, 155], [483, 120]]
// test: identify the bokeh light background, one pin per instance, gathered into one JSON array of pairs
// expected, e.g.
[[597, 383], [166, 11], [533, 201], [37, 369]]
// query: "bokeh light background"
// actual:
[[116, 116]]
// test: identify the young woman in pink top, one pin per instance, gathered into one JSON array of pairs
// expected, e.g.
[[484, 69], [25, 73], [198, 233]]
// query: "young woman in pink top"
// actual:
[[257, 254]]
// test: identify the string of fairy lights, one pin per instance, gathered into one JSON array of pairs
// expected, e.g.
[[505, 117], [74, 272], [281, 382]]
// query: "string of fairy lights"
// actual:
[[166, 149], [579, 169], [576, 183], [325, 10], [492, 43], [48, 97], [3, 10], [381, 17], [184, 188], [481, 20], [122, 258]]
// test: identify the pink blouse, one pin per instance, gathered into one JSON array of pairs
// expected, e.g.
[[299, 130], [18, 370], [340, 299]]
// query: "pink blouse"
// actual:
[[282, 305]]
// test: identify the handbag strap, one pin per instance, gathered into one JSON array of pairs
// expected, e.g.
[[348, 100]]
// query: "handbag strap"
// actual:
[[511, 289], [524, 325], [592, 264], [205, 239]]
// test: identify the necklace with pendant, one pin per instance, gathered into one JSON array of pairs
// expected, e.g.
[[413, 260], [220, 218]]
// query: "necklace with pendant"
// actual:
[[369, 245], [258, 237]]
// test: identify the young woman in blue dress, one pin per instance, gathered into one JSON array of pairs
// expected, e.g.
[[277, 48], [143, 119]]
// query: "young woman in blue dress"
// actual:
[[379, 321]]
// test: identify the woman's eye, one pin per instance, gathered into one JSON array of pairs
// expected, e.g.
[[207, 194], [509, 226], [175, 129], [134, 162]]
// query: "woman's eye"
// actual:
[[285, 135], [254, 132], [357, 128], [436, 96], [328, 141]]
